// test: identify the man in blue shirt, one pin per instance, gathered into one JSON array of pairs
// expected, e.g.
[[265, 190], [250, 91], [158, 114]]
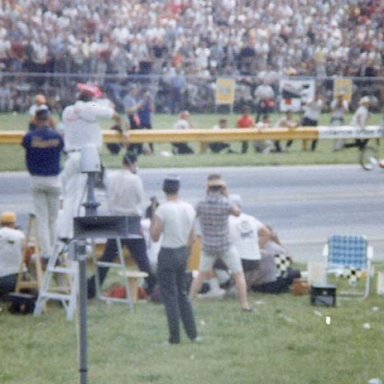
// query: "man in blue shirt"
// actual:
[[43, 148]]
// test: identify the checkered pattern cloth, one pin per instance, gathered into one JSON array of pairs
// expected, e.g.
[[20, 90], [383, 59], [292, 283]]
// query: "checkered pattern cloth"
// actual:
[[282, 262], [348, 251]]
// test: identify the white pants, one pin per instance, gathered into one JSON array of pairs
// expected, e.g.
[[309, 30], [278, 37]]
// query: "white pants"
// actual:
[[74, 189], [46, 201]]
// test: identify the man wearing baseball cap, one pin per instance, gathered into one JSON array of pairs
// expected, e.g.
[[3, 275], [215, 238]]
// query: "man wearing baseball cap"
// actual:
[[11, 252], [213, 213], [43, 147], [174, 221]]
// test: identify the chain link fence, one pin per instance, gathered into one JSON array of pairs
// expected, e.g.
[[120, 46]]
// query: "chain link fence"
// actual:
[[198, 95]]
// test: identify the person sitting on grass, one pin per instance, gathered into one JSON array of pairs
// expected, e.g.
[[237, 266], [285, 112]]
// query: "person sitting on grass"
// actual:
[[11, 253], [267, 278], [183, 123], [219, 147]]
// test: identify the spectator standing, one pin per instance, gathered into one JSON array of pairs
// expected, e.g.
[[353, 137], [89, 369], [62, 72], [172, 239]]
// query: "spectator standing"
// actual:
[[178, 88], [339, 108], [11, 252], [359, 121], [43, 147], [81, 128], [145, 112], [265, 100], [312, 111], [245, 121], [132, 105], [183, 123], [174, 221], [213, 213], [125, 194]]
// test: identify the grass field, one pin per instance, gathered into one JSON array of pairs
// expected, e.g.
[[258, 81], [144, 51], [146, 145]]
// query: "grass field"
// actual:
[[287, 341], [12, 156]]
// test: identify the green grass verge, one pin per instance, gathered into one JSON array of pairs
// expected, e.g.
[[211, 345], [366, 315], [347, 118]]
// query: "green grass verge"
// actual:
[[12, 156], [287, 341]]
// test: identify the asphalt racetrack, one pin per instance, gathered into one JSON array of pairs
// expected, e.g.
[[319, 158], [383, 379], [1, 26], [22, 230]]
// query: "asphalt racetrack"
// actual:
[[304, 204]]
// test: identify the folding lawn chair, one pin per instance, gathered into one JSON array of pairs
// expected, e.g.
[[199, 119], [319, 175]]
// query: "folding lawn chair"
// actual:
[[350, 257]]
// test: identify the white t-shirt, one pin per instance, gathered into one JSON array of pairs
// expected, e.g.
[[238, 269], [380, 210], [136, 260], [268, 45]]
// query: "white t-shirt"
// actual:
[[32, 110], [313, 110], [339, 111], [81, 124], [244, 235], [125, 194], [11, 250], [264, 92], [178, 218], [360, 118], [181, 124], [153, 247]]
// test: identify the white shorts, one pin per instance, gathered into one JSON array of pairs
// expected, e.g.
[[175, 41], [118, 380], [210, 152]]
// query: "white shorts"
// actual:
[[231, 258]]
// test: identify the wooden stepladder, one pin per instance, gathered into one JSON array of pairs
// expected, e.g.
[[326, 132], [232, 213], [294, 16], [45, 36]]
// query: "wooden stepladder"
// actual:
[[60, 281], [128, 276], [31, 261]]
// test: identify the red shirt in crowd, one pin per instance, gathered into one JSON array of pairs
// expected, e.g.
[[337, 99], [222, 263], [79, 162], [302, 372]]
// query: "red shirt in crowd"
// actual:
[[245, 121]]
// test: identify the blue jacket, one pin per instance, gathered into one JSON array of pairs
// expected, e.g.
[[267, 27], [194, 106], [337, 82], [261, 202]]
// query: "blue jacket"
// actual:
[[43, 148]]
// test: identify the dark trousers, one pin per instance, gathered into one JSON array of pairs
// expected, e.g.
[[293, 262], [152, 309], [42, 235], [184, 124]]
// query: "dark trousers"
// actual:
[[306, 122], [281, 285], [359, 143], [218, 147], [244, 146], [182, 148], [172, 278], [136, 149], [263, 109], [8, 284], [138, 250]]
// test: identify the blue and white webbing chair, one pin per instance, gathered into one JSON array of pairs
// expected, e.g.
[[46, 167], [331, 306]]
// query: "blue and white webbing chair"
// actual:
[[350, 257]]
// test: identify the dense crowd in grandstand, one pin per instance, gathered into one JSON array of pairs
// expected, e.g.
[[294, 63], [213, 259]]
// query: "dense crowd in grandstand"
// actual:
[[200, 38]]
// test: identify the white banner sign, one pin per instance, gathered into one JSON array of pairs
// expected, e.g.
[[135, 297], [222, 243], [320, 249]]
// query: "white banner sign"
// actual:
[[349, 132], [294, 92]]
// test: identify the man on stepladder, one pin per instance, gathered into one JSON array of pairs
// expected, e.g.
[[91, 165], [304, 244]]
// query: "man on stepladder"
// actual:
[[43, 147], [81, 128]]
